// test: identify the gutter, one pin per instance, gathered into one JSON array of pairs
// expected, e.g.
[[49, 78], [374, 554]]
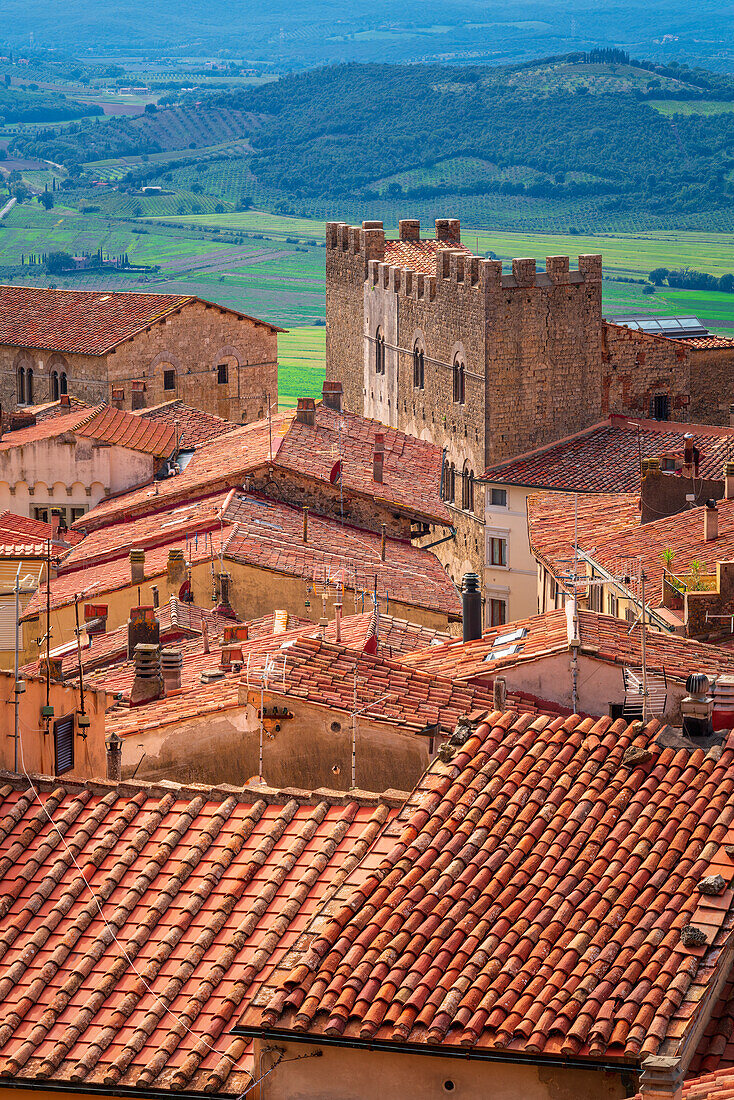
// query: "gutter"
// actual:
[[104, 1090], [466, 1054]]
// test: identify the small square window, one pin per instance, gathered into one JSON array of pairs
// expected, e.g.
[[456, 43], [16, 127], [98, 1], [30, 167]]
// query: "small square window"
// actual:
[[169, 380], [222, 374], [499, 498]]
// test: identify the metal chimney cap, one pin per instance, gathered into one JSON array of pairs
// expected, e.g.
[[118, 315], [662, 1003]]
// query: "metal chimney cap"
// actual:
[[470, 582], [698, 683]]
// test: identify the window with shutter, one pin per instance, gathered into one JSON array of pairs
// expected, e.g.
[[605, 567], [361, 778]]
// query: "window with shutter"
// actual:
[[64, 744]]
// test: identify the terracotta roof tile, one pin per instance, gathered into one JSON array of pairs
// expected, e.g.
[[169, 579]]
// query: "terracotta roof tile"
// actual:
[[199, 886], [533, 902], [606, 457], [87, 322], [609, 529], [411, 469], [419, 255], [113, 426], [705, 343], [194, 426], [606, 638], [270, 536]]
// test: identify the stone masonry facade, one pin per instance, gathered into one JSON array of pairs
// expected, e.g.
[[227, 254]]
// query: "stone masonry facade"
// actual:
[[527, 346], [205, 355]]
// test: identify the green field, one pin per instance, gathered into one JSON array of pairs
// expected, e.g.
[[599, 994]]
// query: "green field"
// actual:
[[301, 358], [273, 226], [690, 106]]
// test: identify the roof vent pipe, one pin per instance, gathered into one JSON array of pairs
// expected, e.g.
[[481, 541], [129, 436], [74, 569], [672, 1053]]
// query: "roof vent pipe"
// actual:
[[471, 608], [171, 666]]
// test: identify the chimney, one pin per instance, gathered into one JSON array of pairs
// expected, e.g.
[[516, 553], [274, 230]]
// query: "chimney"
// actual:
[[55, 523], [697, 707], [332, 394], [499, 693], [171, 666], [137, 566], [95, 618], [64, 399], [305, 523], [382, 541], [729, 481], [205, 635], [471, 608], [113, 752], [55, 667], [378, 457], [338, 616], [156, 597], [148, 682], [142, 626], [691, 455], [661, 1079], [409, 229], [710, 521], [118, 397], [232, 641], [176, 568], [224, 607], [306, 411]]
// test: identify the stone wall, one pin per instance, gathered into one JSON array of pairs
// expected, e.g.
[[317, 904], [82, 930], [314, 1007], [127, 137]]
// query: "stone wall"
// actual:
[[192, 342], [712, 384], [699, 607], [636, 367]]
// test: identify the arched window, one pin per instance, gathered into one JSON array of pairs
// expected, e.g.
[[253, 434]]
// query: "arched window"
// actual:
[[459, 381], [21, 385], [380, 352], [419, 368], [62, 383], [467, 488], [29, 386], [54, 385], [451, 486]]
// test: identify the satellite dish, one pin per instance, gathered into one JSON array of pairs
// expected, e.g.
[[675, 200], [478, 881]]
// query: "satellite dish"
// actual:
[[336, 471]]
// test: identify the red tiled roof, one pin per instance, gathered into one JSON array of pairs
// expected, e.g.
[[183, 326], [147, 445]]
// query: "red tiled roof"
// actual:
[[21, 531], [705, 343], [190, 522], [270, 536], [603, 637], [411, 477], [113, 426], [532, 902], [204, 891], [57, 408], [411, 468], [606, 457], [95, 580], [609, 529], [194, 426], [419, 255], [87, 322]]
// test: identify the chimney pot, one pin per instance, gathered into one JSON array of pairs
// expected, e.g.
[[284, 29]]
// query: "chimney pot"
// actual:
[[171, 667], [137, 566], [729, 480], [332, 395], [710, 521], [471, 607], [205, 635], [113, 753], [65, 399], [224, 607], [499, 693], [306, 411], [148, 681], [176, 568], [661, 1079], [338, 616]]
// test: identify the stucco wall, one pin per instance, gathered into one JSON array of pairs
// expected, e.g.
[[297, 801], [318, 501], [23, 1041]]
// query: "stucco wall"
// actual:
[[67, 472], [343, 1074], [307, 751]]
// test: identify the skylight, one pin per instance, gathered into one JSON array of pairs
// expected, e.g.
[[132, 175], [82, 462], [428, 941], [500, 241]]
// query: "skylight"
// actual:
[[506, 639], [500, 654]]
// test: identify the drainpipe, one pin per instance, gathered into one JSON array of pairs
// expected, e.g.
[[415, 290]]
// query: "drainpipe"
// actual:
[[446, 538]]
